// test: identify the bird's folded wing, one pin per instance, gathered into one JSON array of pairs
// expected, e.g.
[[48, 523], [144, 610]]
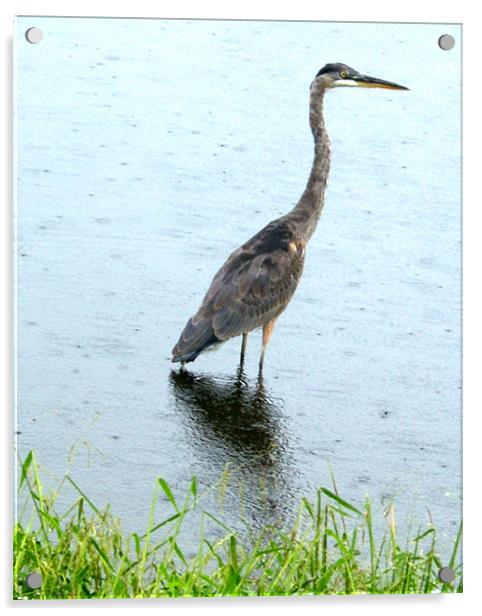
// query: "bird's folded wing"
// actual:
[[253, 286], [246, 295]]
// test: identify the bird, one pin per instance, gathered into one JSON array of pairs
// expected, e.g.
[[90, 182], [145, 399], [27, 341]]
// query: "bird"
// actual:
[[258, 280]]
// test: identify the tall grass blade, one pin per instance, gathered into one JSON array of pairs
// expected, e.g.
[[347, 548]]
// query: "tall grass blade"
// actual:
[[167, 491], [340, 501]]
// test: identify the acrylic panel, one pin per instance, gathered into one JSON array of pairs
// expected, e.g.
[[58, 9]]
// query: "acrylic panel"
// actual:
[[146, 152]]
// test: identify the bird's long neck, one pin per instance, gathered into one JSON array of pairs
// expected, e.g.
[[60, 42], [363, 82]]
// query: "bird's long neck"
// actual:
[[308, 209]]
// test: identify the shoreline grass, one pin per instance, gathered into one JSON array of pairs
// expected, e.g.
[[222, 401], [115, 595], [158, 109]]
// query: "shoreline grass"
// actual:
[[329, 549]]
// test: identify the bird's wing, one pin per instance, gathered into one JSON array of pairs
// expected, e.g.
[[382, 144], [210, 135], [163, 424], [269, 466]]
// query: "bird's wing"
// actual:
[[253, 286], [250, 295]]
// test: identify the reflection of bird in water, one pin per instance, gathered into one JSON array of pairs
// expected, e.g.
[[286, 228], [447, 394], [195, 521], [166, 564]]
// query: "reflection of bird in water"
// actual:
[[258, 280], [235, 424], [231, 411]]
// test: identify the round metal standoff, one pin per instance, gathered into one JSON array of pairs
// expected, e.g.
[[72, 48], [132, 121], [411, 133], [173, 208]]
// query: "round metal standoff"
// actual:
[[446, 42], [33, 581], [446, 575], [34, 35]]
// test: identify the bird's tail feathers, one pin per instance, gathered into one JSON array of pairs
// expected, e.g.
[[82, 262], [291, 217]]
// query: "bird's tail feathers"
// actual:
[[195, 338]]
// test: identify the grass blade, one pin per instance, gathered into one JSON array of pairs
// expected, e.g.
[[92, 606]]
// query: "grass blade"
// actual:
[[340, 501], [167, 491]]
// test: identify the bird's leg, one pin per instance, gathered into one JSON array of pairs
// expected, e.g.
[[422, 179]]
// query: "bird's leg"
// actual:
[[267, 331], [243, 349]]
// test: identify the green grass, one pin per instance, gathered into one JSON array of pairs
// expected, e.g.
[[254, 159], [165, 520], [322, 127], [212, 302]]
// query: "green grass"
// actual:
[[330, 548]]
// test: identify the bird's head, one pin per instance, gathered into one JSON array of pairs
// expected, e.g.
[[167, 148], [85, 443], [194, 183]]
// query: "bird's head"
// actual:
[[339, 75]]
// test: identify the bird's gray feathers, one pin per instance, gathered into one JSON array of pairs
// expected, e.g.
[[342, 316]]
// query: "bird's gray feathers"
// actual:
[[196, 336], [253, 287]]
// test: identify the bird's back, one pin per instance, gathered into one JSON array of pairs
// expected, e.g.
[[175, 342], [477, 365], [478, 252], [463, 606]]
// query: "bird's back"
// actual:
[[253, 287]]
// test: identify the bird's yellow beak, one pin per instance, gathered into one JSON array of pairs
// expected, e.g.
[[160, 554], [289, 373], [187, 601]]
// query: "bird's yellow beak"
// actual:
[[364, 81]]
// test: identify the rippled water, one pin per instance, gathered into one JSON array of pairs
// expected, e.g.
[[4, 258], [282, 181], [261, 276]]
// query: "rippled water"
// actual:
[[147, 150]]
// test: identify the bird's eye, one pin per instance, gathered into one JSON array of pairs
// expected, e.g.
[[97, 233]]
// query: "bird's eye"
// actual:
[[344, 74]]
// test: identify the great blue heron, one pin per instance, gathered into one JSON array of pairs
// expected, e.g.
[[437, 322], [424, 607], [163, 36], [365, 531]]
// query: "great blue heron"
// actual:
[[258, 280]]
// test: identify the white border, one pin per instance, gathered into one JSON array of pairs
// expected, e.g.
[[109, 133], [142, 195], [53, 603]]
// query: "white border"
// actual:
[[463, 11]]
